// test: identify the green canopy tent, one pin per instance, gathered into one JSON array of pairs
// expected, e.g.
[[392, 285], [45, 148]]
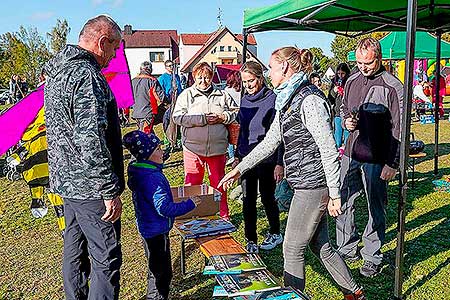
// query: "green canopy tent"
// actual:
[[393, 46], [360, 17], [346, 16]]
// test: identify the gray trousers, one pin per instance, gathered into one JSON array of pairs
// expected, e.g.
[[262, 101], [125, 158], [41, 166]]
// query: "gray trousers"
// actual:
[[356, 177], [91, 251], [307, 225]]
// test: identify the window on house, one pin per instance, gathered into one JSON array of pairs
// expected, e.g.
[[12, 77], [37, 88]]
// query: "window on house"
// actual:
[[222, 48], [230, 48], [156, 56]]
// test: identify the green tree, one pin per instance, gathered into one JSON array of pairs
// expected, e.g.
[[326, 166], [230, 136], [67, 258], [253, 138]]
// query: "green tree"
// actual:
[[23, 53], [321, 61], [58, 35], [342, 45]]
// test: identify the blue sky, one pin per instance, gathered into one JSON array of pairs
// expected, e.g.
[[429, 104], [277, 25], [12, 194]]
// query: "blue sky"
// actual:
[[185, 16]]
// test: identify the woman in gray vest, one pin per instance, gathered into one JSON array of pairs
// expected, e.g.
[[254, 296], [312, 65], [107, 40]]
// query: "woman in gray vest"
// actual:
[[303, 123]]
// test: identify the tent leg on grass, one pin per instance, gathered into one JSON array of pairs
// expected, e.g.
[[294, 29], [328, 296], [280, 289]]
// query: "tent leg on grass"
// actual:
[[436, 102], [404, 150]]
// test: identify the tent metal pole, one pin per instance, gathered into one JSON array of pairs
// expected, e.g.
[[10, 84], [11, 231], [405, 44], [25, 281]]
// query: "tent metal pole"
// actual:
[[436, 102], [404, 150], [244, 45]]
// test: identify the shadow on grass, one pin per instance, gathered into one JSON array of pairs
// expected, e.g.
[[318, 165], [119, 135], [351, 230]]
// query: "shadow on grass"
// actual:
[[193, 278], [444, 149]]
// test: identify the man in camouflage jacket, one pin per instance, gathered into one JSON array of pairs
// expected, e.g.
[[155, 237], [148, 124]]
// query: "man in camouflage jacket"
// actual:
[[86, 160]]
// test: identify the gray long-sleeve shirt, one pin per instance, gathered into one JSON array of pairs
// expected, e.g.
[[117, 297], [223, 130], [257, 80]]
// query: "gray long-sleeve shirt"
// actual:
[[316, 119]]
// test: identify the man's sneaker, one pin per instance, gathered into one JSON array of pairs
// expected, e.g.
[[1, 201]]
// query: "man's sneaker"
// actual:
[[349, 258], [358, 295], [369, 269], [271, 241], [251, 247]]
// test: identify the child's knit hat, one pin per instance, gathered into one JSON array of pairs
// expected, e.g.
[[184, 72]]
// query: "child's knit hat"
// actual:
[[140, 145]]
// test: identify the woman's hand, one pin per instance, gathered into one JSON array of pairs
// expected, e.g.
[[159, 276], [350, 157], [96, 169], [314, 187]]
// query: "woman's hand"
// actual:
[[228, 180], [334, 207], [278, 173], [213, 118]]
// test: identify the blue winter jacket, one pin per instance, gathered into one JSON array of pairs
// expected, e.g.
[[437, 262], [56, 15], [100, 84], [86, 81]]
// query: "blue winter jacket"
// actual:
[[153, 202], [165, 80]]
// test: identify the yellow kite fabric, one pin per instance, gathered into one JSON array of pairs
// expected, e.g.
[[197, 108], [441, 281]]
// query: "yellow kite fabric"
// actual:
[[35, 168]]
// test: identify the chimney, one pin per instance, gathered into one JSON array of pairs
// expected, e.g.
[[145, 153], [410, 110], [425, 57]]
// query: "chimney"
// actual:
[[127, 29]]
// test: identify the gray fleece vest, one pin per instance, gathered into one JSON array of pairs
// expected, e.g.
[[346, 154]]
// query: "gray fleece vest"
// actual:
[[303, 165]]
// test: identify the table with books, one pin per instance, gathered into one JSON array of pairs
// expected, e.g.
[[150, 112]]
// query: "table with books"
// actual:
[[209, 233], [240, 275]]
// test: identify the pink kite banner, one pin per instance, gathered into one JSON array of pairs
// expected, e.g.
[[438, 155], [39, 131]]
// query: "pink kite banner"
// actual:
[[17, 118], [118, 76]]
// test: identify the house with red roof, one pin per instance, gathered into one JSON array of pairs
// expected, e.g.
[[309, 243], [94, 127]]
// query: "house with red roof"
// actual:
[[155, 46], [221, 47]]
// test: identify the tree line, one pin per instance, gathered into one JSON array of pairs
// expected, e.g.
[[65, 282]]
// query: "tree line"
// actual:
[[24, 52], [341, 46]]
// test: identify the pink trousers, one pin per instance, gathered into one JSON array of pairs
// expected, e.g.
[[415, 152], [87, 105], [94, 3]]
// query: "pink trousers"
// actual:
[[194, 170]]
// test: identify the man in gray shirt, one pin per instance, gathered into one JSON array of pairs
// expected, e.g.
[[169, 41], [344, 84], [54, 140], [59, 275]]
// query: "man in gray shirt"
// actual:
[[371, 110]]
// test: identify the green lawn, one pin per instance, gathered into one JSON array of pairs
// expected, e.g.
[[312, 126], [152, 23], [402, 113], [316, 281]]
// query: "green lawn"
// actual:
[[31, 249]]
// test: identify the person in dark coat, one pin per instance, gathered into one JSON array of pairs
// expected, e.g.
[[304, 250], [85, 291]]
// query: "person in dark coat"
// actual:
[[255, 117], [85, 160], [154, 208]]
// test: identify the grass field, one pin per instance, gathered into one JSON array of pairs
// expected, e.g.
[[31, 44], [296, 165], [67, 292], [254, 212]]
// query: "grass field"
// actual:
[[31, 249]]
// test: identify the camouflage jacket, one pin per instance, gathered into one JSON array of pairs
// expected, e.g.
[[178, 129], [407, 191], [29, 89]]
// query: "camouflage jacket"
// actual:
[[84, 141]]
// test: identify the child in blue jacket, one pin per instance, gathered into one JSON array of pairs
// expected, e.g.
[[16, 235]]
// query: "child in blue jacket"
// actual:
[[154, 208]]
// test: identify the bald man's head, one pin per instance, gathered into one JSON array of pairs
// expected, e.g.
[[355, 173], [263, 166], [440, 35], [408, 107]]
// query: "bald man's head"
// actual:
[[100, 25], [101, 36]]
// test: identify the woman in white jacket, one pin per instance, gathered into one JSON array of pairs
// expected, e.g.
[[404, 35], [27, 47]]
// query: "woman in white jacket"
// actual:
[[203, 113]]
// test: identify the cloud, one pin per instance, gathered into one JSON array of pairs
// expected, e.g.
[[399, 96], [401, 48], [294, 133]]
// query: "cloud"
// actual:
[[117, 3], [42, 16], [112, 3]]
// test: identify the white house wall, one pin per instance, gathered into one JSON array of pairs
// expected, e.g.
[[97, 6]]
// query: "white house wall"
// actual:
[[136, 56], [187, 52]]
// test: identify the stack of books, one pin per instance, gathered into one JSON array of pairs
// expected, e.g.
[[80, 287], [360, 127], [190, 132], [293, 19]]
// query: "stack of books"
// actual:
[[286, 293], [206, 226], [244, 276]]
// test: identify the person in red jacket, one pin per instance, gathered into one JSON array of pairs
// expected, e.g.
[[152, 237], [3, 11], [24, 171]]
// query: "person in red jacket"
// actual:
[[441, 93], [150, 100]]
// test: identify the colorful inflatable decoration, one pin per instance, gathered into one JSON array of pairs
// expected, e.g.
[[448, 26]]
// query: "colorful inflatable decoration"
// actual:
[[24, 125]]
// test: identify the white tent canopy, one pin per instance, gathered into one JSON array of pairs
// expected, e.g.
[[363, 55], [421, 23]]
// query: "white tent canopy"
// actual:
[[329, 73]]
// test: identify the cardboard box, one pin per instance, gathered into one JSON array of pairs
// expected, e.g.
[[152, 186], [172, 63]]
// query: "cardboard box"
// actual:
[[209, 205]]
